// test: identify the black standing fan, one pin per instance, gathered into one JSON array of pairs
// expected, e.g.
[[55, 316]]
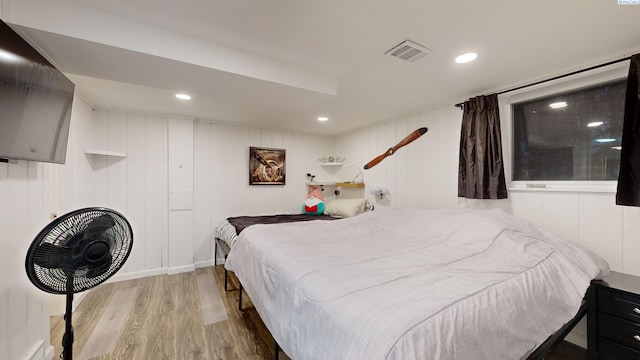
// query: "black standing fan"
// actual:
[[76, 252]]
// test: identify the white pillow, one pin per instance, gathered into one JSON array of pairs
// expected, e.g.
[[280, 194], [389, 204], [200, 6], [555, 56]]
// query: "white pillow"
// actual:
[[345, 207]]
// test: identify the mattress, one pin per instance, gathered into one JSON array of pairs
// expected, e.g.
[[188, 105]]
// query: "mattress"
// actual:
[[229, 228], [412, 284], [226, 232]]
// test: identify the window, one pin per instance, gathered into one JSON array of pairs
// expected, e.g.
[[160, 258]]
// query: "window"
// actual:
[[573, 135]]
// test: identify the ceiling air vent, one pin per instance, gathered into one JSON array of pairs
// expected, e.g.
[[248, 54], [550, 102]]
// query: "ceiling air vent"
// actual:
[[409, 51]]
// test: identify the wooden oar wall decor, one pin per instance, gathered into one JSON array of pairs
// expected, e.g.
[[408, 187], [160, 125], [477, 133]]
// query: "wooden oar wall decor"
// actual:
[[409, 139]]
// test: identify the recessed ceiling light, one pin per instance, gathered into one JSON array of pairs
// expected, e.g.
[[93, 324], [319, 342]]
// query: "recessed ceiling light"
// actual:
[[595, 123], [465, 58], [616, 147], [323, 118], [558, 105], [183, 96], [605, 140]]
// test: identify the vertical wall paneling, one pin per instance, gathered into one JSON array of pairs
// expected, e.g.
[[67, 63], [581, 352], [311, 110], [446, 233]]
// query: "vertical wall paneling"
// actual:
[[97, 135], [135, 185], [527, 205], [244, 138], [117, 141], [35, 221], [136, 181], [217, 182], [180, 160], [156, 194], [92, 189], [52, 191], [391, 168], [441, 145], [24, 317], [283, 140], [77, 161], [631, 240], [400, 190], [600, 227], [274, 195], [230, 170], [560, 214], [202, 189], [16, 247], [257, 192], [376, 146]]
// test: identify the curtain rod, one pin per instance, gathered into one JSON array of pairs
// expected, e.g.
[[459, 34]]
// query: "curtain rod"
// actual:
[[460, 105]]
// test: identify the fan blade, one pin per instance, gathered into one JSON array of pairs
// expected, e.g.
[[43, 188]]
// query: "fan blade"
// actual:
[[100, 224], [406, 141], [49, 256]]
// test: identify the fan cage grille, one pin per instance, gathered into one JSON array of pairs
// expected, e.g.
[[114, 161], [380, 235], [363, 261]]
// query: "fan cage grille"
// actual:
[[60, 244]]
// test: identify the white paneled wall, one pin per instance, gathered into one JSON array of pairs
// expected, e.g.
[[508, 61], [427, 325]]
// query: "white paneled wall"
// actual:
[[181, 218], [25, 194], [172, 162], [135, 185], [221, 180], [424, 174]]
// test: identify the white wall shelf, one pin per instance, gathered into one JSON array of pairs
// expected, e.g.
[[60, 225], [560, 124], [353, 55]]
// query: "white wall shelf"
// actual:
[[350, 184], [104, 152], [333, 183], [319, 183]]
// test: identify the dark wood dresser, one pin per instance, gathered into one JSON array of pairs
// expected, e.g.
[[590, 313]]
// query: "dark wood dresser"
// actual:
[[613, 321]]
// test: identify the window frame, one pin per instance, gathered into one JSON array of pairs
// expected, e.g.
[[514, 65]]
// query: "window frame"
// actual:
[[590, 78]]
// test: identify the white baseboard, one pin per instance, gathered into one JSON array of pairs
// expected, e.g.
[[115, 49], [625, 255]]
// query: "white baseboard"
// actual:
[[138, 275], [159, 271], [181, 269], [577, 339], [202, 264]]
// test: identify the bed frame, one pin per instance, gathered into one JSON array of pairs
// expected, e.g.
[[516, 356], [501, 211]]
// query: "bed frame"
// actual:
[[225, 250], [543, 351]]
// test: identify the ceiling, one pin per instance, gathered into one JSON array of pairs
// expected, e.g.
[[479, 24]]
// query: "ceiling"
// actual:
[[282, 63]]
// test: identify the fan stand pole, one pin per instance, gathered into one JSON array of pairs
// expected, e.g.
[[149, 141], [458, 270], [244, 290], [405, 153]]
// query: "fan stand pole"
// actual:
[[67, 339]]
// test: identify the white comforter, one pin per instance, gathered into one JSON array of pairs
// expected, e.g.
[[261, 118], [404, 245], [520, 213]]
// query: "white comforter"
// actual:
[[412, 284]]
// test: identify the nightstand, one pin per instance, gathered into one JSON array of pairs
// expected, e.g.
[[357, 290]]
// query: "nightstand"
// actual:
[[613, 320]]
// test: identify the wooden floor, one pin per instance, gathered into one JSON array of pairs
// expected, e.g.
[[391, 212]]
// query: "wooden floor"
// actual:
[[165, 322]]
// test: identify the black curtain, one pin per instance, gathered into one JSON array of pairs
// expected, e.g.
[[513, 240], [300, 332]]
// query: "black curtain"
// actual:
[[481, 168], [629, 177]]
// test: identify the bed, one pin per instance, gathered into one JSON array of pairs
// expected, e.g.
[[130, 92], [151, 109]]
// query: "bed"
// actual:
[[412, 284], [226, 233], [228, 230]]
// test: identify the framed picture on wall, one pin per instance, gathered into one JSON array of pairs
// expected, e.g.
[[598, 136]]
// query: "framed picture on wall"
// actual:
[[266, 166]]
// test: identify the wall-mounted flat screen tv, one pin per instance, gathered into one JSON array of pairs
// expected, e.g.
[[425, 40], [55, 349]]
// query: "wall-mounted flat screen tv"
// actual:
[[35, 103]]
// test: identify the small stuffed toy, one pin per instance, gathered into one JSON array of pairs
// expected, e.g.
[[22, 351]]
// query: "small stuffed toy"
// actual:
[[314, 204]]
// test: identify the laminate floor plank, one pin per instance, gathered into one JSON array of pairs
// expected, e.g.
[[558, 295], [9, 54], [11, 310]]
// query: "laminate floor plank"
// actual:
[[213, 309], [191, 342], [84, 318], [105, 335], [159, 329], [132, 338]]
